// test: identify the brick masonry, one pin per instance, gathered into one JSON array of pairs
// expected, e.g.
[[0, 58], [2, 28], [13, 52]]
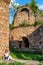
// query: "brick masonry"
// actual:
[[33, 34], [24, 14], [4, 26]]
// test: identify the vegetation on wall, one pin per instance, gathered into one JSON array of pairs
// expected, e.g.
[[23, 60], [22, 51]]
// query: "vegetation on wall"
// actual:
[[34, 6], [14, 17], [38, 23], [41, 13], [25, 24], [11, 26]]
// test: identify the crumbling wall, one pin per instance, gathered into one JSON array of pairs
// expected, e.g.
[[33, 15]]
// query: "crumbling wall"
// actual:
[[24, 15], [34, 36]]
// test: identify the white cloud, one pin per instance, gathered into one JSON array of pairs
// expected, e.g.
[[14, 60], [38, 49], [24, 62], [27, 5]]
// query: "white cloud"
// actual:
[[12, 2], [40, 7], [15, 4]]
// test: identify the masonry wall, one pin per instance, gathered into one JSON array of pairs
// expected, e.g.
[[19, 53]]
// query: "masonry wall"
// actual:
[[24, 14], [34, 36], [4, 26]]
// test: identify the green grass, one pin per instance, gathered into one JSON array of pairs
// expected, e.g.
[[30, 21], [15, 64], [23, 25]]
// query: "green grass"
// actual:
[[40, 64], [16, 63], [13, 63], [2, 63], [26, 56]]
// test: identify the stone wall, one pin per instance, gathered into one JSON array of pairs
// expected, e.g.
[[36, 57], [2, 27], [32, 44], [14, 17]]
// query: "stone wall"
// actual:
[[29, 36], [34, 36], [4, 26], [24, 14]]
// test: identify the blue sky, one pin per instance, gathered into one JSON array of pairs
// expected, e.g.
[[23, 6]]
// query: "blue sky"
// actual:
[[26, 1], [22, 2]]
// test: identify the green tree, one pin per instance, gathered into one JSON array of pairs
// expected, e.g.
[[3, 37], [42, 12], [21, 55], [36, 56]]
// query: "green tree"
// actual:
[[33, 5], [41, 13]]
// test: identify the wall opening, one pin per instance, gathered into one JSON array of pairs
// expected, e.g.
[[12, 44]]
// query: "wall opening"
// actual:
[[25, 9], [26, 42], [20, 44]]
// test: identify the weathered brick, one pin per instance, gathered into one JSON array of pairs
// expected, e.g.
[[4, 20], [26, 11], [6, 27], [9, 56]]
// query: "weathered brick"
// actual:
[[4, 26]]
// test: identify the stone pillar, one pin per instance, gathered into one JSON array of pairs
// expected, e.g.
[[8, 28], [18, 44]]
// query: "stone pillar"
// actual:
[[4, 26]]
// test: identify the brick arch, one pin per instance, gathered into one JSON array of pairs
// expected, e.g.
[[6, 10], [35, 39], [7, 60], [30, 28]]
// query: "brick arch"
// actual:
[[25, 9], [24, 14]]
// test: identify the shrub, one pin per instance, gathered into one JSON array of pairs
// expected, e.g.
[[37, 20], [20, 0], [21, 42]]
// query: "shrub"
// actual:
[[38, 23]]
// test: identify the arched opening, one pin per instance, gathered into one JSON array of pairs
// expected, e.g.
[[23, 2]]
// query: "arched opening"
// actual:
[[26, 42], [24, 15], [25, 9]]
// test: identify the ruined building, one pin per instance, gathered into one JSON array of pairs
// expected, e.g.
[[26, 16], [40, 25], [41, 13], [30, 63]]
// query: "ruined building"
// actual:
[[4, 25], [24, 36]]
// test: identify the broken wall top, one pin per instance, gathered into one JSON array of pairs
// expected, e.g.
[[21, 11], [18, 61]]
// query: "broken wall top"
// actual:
[[6, 1]]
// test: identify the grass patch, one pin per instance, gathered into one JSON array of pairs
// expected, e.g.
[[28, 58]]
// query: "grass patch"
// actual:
[[26, 56], [16, 63], [40, 64], [2, 63], [13, 63]]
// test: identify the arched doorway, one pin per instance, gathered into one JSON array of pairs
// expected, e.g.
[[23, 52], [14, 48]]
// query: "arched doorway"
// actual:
[[26, 42]]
